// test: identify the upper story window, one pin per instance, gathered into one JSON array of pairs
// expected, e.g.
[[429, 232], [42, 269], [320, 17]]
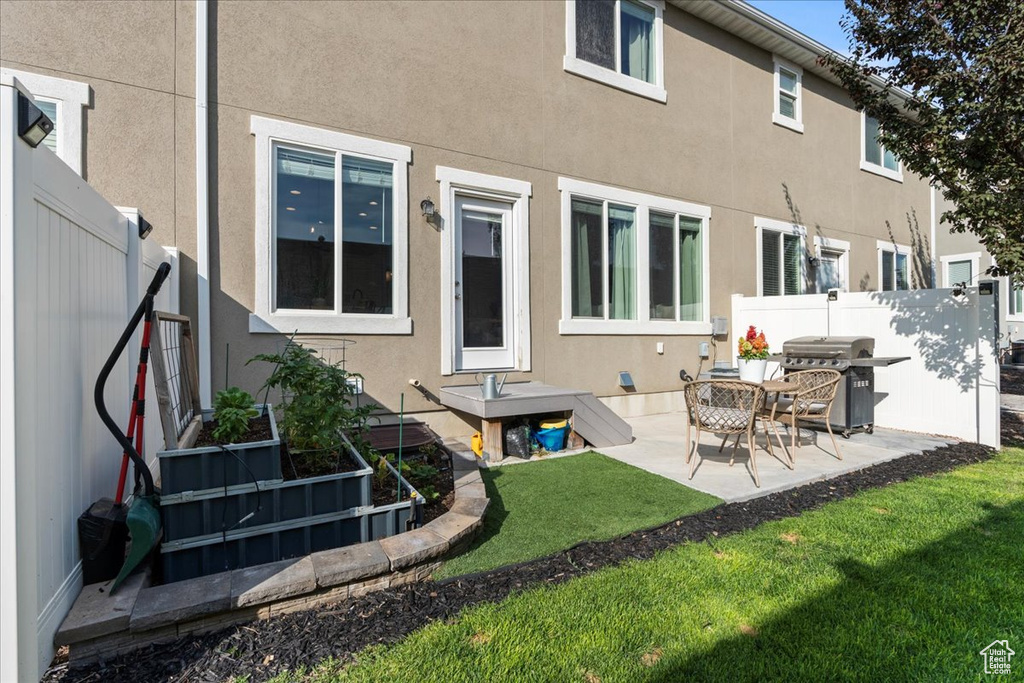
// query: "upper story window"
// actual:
[[780, 257], [617, 42], [893, 266], [632, 263], [1016, 307], [876, 158], [960, 268], [331, 232], [61, 100], [788, 95]]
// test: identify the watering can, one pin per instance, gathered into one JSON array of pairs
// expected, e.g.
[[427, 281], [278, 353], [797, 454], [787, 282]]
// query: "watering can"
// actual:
[[490, 387]]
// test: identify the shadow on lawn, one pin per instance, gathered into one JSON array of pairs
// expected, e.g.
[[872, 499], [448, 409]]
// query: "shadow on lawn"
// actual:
[[496, 512], [923, 617]]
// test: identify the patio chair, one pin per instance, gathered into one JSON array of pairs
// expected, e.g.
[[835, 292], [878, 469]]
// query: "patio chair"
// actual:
[[810, 400], [722, 407]]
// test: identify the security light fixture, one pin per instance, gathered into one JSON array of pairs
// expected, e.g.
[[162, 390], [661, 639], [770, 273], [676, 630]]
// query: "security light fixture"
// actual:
[[33, 124], [813, 261], [833, 295], [145, 227], [427, 207]]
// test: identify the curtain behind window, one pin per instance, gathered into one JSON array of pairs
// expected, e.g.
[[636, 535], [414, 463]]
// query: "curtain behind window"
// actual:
[[587, 290], [621, 262], [636, 29], [887, 271], [690, 270]]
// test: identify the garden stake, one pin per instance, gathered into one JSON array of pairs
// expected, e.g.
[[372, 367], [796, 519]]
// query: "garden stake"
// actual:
[[401, 419]]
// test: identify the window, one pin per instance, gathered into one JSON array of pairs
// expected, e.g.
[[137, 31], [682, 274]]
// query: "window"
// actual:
[[632, 263], [832, 271], [893, 266], [618, 43], [960, 268], [1016, 303], [788, 95], [331, 232], [876, 158], [780, 257], [61, 100]]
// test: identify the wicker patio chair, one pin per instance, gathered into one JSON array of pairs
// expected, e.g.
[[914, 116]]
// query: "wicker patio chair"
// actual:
[[722, 407], [810, 400]]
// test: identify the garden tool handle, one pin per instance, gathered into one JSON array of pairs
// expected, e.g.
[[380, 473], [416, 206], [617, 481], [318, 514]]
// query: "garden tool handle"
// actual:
[[145, 306]]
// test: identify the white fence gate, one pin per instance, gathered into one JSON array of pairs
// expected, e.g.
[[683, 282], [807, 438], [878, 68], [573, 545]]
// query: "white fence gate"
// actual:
[[950, 385], [72, 268]]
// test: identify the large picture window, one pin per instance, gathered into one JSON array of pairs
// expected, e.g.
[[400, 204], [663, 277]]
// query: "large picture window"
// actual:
[[331, 232], [634, 263], [617, 42]]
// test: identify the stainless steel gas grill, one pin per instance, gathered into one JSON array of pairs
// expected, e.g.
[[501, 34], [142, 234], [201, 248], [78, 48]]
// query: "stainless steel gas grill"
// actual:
[[853, 357]]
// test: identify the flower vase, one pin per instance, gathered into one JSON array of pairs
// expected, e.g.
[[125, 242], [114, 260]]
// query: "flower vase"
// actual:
[[753, 370]]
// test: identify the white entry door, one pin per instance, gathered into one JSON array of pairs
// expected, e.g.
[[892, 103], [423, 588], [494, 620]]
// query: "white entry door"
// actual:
[[483, 285]]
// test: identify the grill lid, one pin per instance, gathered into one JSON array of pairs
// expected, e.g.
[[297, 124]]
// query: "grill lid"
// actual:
[[829, 347]]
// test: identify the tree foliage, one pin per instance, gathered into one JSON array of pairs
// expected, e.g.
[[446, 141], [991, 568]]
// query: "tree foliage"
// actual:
[[962, 125]]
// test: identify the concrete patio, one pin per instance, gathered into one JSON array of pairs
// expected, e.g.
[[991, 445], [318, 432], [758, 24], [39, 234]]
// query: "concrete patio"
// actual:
[[659, 446]]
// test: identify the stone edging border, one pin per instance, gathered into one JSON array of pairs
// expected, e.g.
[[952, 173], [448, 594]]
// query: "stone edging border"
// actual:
[[100, 625]]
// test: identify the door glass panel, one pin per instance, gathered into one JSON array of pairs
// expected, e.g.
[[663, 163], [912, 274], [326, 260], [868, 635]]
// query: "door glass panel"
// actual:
[[304, 220], [661, 260], [587, 263], [482, 287]]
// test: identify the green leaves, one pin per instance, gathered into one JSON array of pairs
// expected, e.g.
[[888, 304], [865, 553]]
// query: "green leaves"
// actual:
[[232, 409], [962, 126], [318, 401]]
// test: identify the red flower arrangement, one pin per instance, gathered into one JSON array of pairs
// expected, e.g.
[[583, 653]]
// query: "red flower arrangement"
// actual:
[[754, 346]]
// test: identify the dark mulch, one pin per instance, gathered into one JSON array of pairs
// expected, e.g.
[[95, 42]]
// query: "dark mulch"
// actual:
[[259, 430], [304, 464], [1013, 428], [264, 648], [1011, 380]]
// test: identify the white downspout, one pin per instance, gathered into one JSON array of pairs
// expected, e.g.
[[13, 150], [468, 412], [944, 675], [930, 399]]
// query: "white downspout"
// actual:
[[202, 203], [935, 220]]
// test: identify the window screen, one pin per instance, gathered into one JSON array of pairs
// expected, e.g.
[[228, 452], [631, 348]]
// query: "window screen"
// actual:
[[595, 32]]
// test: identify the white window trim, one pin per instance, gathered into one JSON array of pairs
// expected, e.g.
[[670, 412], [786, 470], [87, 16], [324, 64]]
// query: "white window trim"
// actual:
[[1017, 316], [882, 245], [456, 181], [644, 203], [877, 169], [572, 64], [264, 319], [70, 97], [974, 257], [831, 244], [796, 124], [762, 224]]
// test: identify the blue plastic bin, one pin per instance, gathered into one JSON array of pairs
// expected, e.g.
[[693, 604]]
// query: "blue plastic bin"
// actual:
[[552, 439]]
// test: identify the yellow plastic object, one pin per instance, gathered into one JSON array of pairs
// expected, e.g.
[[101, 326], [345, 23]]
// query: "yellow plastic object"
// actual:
[[477, 444], [553, 423]]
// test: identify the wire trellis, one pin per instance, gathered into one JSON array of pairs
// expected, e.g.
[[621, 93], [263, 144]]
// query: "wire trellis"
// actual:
[[175, 373]]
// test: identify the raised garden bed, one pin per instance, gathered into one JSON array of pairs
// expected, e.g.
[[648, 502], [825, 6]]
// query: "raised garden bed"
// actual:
[[244, 524], [198, 468]]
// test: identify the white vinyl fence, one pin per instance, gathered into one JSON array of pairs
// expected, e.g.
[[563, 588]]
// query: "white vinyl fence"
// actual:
[[950, 385], [72, 269]]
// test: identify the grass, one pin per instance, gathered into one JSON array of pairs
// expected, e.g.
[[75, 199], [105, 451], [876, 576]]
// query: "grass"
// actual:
[[905, 583], [539, 508]]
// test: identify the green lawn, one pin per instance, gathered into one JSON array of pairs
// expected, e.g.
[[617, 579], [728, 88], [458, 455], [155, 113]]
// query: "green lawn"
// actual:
[[905, 583], [539, 508]]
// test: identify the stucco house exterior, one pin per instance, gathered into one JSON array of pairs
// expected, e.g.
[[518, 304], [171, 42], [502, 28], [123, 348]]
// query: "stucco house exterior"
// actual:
[[604, 176]]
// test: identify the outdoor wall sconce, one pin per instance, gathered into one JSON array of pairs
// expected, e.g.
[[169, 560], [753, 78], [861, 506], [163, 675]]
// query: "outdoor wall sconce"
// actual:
[[427, 207], [145, 227], [33, 124], [813, 261]]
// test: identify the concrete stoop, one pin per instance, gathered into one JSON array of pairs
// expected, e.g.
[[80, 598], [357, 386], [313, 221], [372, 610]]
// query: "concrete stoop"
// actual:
[[101, 625]]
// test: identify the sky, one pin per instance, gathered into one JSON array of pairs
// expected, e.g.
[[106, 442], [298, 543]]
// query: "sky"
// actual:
[[818, 19]]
